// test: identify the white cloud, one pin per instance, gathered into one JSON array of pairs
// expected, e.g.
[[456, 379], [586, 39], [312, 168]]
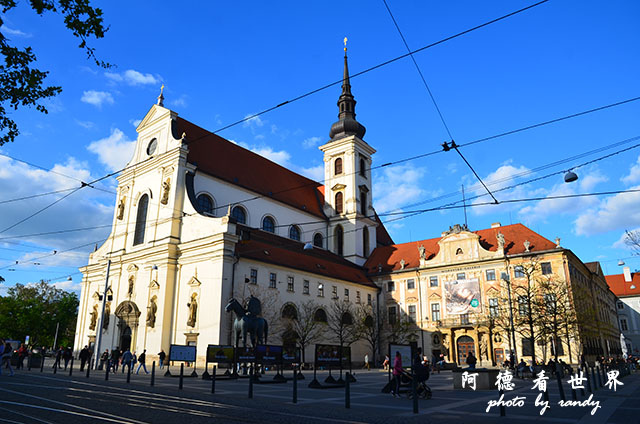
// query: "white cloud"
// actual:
[[634, 174], [85, 124], [135, 122], [613, 213], [620, 243], [97, 98], [14, 32], [113, 151], [397, 186], [133, 77], [311, 142], [280, 157], [316, 173], [500, 179], [254, 122], [179, 102]]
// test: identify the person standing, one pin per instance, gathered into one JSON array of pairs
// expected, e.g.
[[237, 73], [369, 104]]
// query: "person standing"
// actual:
[[397, 374], [471, 361], [84, 357], [127, 358], [115, 359], [22, 353], [161, 357], [66, 355], [104, 358], [141, 359], [5, 355], [56, 363], [366, 362]]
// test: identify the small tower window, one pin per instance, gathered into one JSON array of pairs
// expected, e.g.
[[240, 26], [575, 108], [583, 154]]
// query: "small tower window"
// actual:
[[365, 241], [363, 203], [294, 232], [339, 202], [239, 214], [363, 167], [338, 234], [338, 166], [317, 240]]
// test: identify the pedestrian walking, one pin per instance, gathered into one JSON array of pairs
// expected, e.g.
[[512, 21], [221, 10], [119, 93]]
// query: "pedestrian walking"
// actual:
[[161, 357], [141, 359], [127, 358], [366, 362], [385, 364], [115, 359], [397, 374], [5, 356], [66, 355], [104, 358], [84, 357], [56, 363]]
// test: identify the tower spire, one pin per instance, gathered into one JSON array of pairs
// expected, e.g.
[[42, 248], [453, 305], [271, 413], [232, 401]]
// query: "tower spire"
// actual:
[[346, 124]]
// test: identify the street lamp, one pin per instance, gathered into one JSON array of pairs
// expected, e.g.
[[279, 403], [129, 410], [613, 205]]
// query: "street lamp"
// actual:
[[506, 279], [570, 177], [104, 304]]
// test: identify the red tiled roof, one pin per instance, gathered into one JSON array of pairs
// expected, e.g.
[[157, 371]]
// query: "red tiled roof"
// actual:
[[223, 159], [270, 248], [621, 288], [515, 235]]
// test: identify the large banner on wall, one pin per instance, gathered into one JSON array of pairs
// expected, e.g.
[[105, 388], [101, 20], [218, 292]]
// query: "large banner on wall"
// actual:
[[462, 296]]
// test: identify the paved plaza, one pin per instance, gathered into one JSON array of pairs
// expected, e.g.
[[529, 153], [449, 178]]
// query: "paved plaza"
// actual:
[[35, 397]]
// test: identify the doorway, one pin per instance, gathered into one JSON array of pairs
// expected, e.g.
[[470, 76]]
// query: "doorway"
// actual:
[[499, 355], [465, 346], [125, 339]]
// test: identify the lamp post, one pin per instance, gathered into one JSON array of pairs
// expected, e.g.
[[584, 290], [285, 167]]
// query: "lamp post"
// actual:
[[99, 328], [506, 279]]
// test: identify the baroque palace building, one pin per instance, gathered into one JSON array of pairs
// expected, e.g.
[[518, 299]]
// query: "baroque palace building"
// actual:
[[454, 290], [627, 287], [200, 220]]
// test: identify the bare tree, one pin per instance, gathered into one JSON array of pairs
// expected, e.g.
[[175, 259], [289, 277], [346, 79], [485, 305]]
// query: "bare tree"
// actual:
[[370, 328], [558, 318], [341, 324], [632, 239], [308, 325]]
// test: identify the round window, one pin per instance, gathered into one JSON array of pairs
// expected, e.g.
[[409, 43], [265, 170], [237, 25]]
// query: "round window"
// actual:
[[151, 148]]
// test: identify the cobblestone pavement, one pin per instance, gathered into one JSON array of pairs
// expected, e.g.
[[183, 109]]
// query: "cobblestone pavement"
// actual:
[[35, 397]]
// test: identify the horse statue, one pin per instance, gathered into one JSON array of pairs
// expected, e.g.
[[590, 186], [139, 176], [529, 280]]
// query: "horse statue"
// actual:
[[248, 322]]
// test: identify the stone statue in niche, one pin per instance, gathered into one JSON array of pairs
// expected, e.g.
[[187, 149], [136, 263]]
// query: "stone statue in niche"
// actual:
[[527, 244], [130, 290], [94, 317], [165, 191], [557, 242], [120, 213], [445, 345], [107, 314], [423, 253], [500, 238], [151, 313], [484, 353], [193, 308], [402, 263]]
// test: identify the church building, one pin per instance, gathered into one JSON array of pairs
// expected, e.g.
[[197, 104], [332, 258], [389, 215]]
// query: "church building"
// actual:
[[200, 220]]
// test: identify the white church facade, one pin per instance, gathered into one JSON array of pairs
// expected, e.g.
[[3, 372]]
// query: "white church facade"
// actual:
[[200, 220]]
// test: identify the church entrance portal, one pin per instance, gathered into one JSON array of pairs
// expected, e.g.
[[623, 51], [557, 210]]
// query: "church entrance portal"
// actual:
[[465, 346], [128, 316]]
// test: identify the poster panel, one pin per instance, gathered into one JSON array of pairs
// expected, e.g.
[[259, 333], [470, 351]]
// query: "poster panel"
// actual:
[[405, 354], [328, 355], [246, 354], [291, 354], [462, 296], [182, 353], [222, 354], [269, 354]]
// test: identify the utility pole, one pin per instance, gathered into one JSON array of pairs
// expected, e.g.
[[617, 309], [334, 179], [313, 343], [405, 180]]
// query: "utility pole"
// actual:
[[55, 339], [513, 330], [99, 328]]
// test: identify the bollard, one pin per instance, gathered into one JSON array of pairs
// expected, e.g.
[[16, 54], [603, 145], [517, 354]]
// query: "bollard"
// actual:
[[599, 381], [129, 373], [55, 367], [414, 391], [560, 388], [586, 373], [574, 395], [503, 410], [347, 392], [42, 362], [181, 375], [153, 373], [71, 367], [602, 370], [88, 368], [593, 378], [295, 385], [106, 374], [251, 383], [29, 358], [213, 380]]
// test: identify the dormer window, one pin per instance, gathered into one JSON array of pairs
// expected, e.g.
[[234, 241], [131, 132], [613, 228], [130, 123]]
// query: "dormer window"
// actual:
[[338, 166], [459, 251]]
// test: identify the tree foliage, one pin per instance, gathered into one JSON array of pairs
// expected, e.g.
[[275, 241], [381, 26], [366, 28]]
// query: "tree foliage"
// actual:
[[34, 310], [21, 84]]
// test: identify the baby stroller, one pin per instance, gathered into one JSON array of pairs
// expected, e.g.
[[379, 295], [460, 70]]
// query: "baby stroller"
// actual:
[[422, 389]]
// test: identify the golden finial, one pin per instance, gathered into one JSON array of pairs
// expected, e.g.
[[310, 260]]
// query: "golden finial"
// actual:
[[161, 97], [345, 44], [161, 89]]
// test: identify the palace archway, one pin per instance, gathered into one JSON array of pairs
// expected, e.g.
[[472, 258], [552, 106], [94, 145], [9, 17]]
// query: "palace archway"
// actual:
[[128, 316], [465, 346]]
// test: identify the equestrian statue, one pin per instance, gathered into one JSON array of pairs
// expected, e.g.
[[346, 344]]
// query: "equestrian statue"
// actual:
[[248, 321]]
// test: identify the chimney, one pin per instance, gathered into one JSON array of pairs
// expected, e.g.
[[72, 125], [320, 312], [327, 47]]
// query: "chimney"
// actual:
[[627, 274], [495, 225]]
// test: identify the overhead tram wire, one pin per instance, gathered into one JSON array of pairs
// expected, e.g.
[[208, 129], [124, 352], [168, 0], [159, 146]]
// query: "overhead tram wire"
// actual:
[[17, 199]]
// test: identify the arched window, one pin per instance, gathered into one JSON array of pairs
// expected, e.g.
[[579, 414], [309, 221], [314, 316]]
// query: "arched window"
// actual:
[[239, 214], [294, 232], [363, 167], [339, 202], [338, 166], [365, 241], [141, 220], [363, 203], [268, 224], [338, 235], [368, 321], [347, 319], [320, 315], [205, 204], [289, 312], [459, 251], [317, 240]]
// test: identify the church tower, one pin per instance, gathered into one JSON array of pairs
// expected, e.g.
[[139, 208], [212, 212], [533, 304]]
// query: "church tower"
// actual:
[[347, 176]]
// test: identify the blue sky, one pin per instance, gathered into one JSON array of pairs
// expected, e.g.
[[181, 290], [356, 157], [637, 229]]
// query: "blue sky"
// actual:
[[221, 61]]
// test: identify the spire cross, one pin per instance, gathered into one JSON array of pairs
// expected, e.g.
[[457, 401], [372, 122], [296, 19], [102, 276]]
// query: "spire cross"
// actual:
[[345, 44]]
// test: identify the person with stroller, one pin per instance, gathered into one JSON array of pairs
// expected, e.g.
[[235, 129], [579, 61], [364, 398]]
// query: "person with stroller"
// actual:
[[421, 374]]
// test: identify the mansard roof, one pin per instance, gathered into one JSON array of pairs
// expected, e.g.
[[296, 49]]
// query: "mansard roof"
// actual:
[[389, 257], [234, 164], [266, 247]]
